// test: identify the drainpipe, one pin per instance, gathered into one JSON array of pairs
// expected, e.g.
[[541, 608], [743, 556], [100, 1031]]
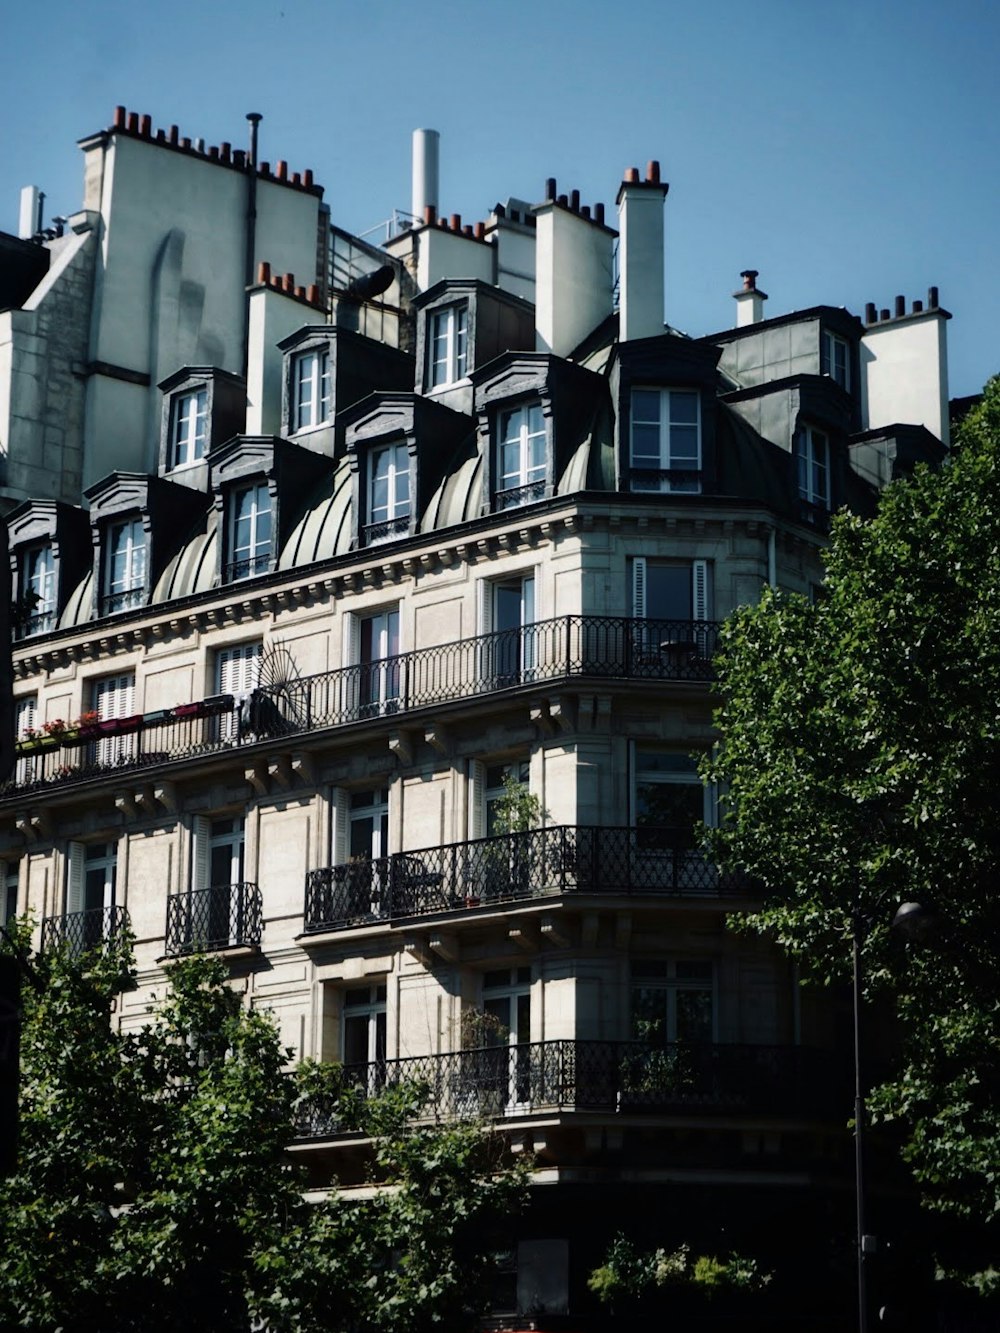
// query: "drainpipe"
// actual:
[[254, 117]]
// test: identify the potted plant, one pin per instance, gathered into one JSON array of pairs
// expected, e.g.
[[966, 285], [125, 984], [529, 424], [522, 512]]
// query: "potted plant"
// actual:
[[484, 1064]]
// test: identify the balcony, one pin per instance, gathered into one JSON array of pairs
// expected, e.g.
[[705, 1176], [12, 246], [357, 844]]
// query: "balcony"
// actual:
[[598, 648], [613, 1077], [512, 867], [224, 916], [80, 931]]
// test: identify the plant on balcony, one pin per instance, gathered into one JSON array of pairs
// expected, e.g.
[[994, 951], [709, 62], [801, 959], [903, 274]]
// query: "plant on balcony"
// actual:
[[654, 1071], [503, 866], [630, 1276], [481, 1088]]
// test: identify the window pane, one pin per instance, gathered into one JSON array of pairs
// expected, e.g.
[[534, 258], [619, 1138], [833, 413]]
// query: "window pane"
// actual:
[[646, 405], [683, 407]]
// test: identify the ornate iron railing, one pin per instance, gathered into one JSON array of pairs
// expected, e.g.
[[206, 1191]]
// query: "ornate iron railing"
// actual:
[[597, 647], [564, 859], [80, 931], [220, 917], [614, 1077], [126, 600], [386, 529], [520, 495], [247, 567]]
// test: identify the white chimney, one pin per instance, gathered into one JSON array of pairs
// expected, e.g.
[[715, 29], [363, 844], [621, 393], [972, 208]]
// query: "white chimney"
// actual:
[[904, 367], [640, 253], [426, 145], [749, 300], [573, 271], [27, 222]]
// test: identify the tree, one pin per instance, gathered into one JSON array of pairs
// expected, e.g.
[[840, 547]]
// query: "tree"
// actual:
[[859, 746], [154, 1189]]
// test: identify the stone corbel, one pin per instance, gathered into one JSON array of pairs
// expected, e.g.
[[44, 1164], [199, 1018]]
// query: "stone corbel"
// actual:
[[256, 776], [524, 938], [540, 717], [165, 794], [445, 945], [401, 745], [303, 769], [553, 931], [416, 947], [439, 738], [279, 771]]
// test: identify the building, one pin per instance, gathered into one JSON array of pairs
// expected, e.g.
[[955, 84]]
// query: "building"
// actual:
[[324, 568]]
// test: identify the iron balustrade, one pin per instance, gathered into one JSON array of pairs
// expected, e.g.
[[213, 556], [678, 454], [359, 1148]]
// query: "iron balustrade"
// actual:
[[386, 529], [126, 600], [563, 859], [222, 916], [614, 1077], [80, 931], [598, 647], [247, 567], [515, 496]]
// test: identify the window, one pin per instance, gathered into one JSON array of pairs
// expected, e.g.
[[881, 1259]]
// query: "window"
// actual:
[[504, 1067], [92, 872], [188, 429], [670, 590], [38, 589], [812, 459], [125, 572], [218, 901], [835, 359], [670, 803], [249, 531], [371, 648], [508, 649], [237, 671], [666, 440], [363, 1036], [495, 776], [521, 466], [673, 1001], [8, 891], [448, 345], [113, 697], [388, 493], [27, 768], [311, 391]]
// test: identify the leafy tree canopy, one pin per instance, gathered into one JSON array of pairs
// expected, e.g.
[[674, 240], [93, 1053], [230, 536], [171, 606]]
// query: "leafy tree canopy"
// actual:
[[154, 1189], [860, 749]]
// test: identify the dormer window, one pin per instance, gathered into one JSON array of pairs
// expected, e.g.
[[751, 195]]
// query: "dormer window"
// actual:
[[38, 588], [448, 345], [188, 429], [812, 460], [125, 566], [250, 543], [835, 359], [388, 493], [311, 391], [666, 440], [521, 462]]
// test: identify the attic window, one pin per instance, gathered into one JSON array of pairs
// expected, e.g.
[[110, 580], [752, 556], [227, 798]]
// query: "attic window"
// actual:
[[250, 545], [521, 465], [448, 345], [835, 359], [38, 590], [666, 440], [188, 427], [125, 566], [311, 389], [812, 461], [388, 493]]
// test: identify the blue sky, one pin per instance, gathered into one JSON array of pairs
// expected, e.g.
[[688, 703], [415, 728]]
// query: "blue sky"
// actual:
[[846, 150]]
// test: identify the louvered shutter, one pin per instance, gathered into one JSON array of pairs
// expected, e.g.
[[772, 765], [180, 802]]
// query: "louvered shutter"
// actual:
[[75, 877], [477, 799], [699, 589], [341, 830], [351, 678], [201, 842], [639, 587]]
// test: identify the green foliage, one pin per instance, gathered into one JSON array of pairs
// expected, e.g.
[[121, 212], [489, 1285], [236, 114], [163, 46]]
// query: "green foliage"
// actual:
[[154, 1189], [860, 748], [629, 1275], [518, 809]]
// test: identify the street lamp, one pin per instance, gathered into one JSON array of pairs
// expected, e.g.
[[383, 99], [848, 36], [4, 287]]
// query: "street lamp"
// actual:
[[914, 922]]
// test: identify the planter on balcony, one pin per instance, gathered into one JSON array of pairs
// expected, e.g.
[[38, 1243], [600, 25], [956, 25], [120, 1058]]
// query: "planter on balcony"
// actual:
[[119, 726], [157, 716], [218, 703], [189, 710], [30, 745]]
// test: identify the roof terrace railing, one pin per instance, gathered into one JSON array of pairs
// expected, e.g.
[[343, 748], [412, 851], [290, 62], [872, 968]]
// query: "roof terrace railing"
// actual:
[[567, 647]]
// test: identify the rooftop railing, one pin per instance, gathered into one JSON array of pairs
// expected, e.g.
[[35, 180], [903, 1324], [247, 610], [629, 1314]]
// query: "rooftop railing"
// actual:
[[223, 916], [539, 863], [615, 1077], [596, 647]]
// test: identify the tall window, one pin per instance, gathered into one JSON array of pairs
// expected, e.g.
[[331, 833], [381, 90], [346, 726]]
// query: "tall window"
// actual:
[[673, 1001], [90, 888], [311, 389], [371, 648], [507, 1006], [363, 1035], [812, 460], [521, 467], [249, 531], [38, 589], [388, 493], [448, 345], [671, 802], [9, 876], [114, 697], [25, 718], [666, 440], [125, 573], [217, 904], [670, 590], [508, 652], [835, 359], [237, 671], [189, 417]]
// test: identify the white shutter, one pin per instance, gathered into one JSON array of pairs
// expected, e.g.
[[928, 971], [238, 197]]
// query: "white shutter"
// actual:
[[114, 696], [639, 587], [352, 639], [341, 818], [75, 877], [201, 839], [238, 669], [484, 607], [25, 712], [699, 589], [477, 799]]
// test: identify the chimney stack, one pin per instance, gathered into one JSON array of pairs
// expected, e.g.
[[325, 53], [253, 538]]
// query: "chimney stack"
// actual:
[[640, 253], [426, 150], [749, 300]]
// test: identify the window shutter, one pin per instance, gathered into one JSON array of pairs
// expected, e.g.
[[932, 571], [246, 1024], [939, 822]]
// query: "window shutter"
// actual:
[[639, 587], [484, 607], [26, 710], [74, 877], [477, 799], [699, 589], [341, 840], [201, 839], [352, 639]]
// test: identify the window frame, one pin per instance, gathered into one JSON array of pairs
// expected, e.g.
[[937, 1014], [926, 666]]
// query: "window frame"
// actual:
[[260, 557], [44, 583], [448, 324], [689, 479], [132, 593], [670, 986], [806, 465], [398, 514], [317, 410], [832, 343], [188, 436], [532, 476]]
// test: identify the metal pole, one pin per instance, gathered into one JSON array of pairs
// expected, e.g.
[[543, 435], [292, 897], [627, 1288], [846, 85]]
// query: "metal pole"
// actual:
[[859, 1121]]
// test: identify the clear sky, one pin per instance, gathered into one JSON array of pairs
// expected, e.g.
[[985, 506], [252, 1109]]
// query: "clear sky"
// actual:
[[849, 151]]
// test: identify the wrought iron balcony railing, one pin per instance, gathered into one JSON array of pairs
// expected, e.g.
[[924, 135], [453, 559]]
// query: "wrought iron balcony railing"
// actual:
[[223, 916], [80, 931], [595, 647], [540, 863], [599, 1076], [125, 600]]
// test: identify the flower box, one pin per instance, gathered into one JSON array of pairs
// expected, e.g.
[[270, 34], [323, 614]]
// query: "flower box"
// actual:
[[119, 726], [219, 703], [189, 710], [157, 716]]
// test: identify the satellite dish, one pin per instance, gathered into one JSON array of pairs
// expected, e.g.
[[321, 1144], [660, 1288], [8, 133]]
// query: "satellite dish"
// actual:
[[369, 285]]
